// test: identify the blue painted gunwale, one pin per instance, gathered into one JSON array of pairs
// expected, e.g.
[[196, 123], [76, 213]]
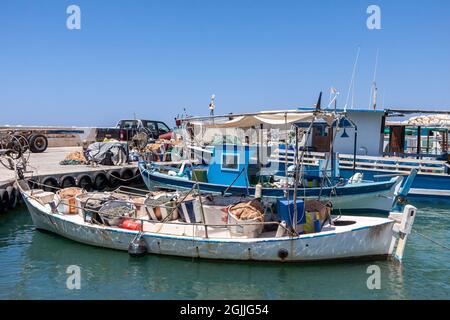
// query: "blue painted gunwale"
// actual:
[[178, 182]]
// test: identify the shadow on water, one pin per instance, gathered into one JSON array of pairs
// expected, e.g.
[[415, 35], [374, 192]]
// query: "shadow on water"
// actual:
[[34, 265]]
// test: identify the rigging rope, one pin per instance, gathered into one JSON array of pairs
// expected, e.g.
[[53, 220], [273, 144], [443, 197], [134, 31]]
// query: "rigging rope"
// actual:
[[434, 241]]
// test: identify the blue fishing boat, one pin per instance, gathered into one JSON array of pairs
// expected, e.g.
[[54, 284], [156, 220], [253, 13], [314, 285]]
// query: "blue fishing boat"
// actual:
[[231, 171]]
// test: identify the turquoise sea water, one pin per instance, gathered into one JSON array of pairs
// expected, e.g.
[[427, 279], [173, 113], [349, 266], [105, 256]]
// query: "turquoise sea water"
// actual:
[[33, 265]]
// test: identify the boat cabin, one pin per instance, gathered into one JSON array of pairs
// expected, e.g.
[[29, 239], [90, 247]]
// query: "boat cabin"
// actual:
[[238, 165], [417, 141]]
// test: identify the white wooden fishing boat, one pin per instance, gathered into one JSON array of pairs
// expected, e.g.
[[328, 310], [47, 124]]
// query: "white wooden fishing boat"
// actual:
[[344, 237]]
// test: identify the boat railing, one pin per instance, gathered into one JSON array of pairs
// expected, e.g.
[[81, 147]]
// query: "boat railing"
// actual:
[[321, 155], [374, 163], [142, 220]]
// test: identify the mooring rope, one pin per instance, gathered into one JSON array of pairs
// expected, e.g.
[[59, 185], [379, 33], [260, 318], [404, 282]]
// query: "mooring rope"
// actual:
[[434, 241]]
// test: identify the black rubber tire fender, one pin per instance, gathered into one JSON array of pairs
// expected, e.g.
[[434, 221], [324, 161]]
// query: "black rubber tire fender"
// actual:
[[127, 175], [12, 195], [4, 200], [114, 179], [85, 182], [100, 181], [67, 181], [33, 184], [50, 184], [138, 177], [38, 143]]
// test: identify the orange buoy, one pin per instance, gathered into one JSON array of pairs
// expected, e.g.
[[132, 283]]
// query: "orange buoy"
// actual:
[[130, 224]]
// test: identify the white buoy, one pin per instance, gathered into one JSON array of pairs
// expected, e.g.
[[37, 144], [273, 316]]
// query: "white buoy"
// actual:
[[281, 229], [258, 191]]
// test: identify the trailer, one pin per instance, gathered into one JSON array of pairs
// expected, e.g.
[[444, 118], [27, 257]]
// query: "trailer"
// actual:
[[33, 140]]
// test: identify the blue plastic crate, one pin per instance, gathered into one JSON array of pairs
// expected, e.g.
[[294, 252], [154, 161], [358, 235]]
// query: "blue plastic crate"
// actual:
[[285, 209]]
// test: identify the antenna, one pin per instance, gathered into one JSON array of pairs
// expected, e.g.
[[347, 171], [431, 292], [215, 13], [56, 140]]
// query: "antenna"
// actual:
[[333, 92], [211, 105], [352, 80], [374, 89]]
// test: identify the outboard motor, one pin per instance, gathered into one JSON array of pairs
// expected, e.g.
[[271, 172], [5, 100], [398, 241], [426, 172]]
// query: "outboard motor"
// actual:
[[137, 247]]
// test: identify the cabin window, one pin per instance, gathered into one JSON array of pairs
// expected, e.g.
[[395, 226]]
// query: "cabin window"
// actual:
[[162, 128], [230, 161], [128, 124], [321, 131], [150, 125]]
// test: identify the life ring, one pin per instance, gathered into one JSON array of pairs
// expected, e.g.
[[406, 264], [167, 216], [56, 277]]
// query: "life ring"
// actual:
[[114, 179], [4, 200], [12, 194], [67, 181], [38, 143], [84, 181], [127, 175], [100, 181], [50, 184]]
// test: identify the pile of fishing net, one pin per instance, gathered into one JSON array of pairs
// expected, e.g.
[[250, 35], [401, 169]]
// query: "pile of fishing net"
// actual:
[[74, 158], [154, 147], [441, 120], [249, 210]]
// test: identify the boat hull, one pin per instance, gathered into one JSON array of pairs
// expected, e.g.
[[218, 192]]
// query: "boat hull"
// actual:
[[359, 242], [425, 187]]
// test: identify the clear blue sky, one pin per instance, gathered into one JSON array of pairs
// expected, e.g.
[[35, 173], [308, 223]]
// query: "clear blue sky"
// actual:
[[156, 57]]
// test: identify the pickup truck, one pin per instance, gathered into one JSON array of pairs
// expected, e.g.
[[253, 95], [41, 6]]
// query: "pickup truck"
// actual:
[[128, 130]]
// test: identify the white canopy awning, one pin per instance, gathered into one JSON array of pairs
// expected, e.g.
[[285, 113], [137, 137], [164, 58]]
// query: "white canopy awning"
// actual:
[[274, 119]]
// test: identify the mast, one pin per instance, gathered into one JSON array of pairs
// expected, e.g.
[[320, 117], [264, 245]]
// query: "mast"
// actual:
[[352, 80], [296, 179], [374, 90]]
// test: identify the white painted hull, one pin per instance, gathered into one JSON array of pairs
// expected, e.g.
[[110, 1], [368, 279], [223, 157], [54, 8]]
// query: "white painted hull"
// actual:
[[367, 238], [380, 201], [377, 201]]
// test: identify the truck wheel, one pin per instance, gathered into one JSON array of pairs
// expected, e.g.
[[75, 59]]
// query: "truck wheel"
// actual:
[[38, 143]]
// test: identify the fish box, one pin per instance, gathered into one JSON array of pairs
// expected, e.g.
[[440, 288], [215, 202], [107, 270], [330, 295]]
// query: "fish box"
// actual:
[[188, 213], [42, 196], [285, 210], [214, 215]]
